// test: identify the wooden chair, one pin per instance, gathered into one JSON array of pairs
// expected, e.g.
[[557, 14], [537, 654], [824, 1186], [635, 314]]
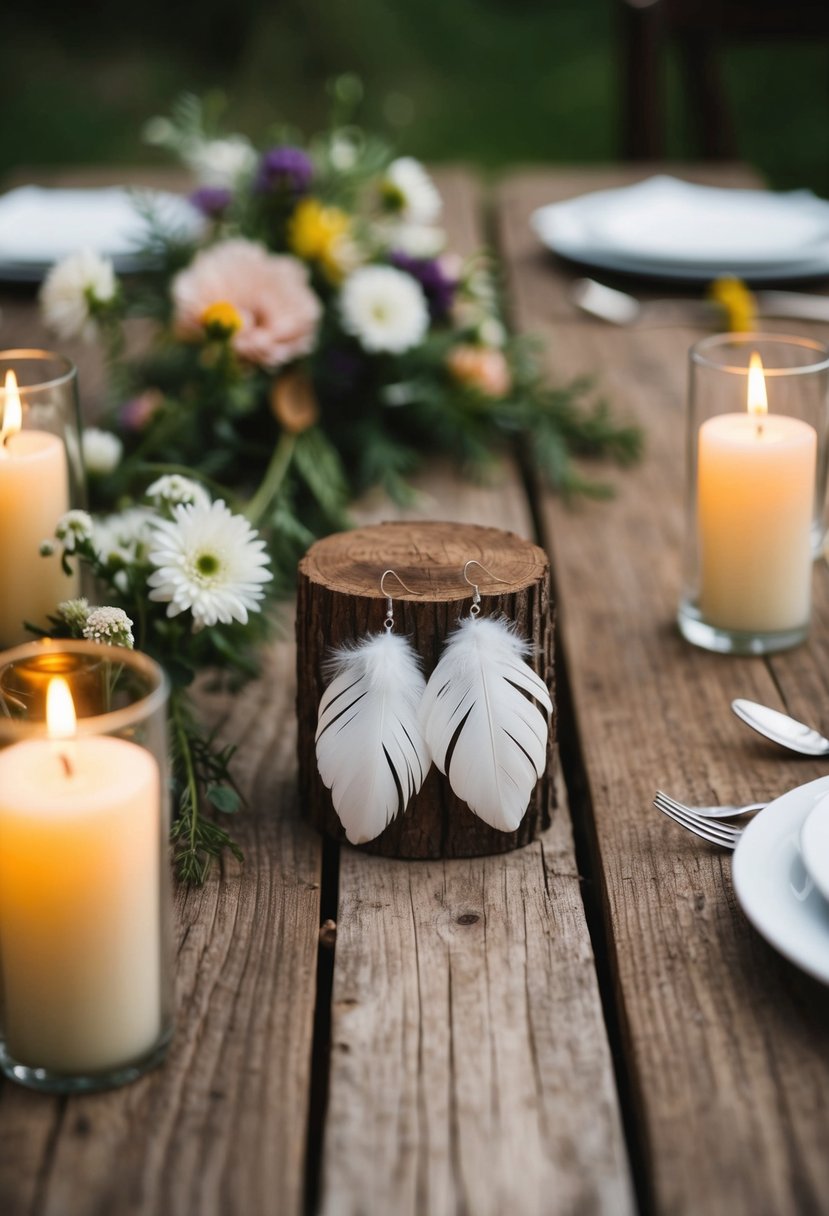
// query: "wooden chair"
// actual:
[[699, 29]]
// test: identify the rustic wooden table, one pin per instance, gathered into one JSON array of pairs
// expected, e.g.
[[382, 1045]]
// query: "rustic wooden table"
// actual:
[[586, 1025]]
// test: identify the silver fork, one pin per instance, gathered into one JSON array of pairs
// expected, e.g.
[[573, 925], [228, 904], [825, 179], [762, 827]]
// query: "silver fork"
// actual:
[[713, 812], [725, 835]]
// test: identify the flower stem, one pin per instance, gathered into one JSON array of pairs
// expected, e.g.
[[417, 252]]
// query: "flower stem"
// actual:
[[186, 756], [271, 483]]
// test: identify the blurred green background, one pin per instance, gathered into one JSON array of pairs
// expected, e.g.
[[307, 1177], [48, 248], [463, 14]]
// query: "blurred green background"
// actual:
[[490, 82]]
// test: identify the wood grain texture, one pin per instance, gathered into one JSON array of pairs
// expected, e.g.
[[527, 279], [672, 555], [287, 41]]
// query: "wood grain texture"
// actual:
[[221, 1126], [728, 1045], [470, 1069], [339, 601]]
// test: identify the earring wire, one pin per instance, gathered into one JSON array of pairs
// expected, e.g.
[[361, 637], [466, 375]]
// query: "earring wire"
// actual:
[[389, 621], [476, 595]]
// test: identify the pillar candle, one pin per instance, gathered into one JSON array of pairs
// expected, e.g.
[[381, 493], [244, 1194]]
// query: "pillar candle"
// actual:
[[756, 485], [80, 918], [34, 493]]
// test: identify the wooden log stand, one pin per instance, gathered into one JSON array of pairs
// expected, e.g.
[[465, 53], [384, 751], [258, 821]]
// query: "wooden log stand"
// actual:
[[339, 601]]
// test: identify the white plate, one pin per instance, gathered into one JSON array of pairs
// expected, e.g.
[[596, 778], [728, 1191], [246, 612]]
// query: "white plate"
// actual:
[[665, 228], [39, 227], [772, 886], [814, 845]]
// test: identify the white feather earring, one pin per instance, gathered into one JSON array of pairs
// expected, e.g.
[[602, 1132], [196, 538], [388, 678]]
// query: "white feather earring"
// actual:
[[370, 749], [485, 716]]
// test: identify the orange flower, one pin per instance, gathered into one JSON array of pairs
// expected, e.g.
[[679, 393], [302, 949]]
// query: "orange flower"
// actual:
[[482, 368], [293, 402]]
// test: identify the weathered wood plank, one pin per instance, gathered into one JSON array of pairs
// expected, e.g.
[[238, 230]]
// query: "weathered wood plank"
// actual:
[[728, 1045], [238, 1073], [221, 1127], [470, 1070]]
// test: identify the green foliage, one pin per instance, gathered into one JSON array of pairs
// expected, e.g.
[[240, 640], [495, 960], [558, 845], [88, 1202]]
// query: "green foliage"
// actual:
[[291, 446]]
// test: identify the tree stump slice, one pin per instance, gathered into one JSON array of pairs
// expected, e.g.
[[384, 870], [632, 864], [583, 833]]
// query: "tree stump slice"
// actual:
[[339, 601]]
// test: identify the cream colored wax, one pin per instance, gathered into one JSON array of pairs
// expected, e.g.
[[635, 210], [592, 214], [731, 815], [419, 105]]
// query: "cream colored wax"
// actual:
[[80, 930], [34, 493], [756, 485]]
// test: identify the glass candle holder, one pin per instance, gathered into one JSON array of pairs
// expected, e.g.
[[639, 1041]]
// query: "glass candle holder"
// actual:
[[757, 446], [41, 477], [85, 901]]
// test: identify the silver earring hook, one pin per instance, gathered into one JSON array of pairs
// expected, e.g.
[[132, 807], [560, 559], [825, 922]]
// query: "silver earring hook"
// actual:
[[389, 621], [476, 595]]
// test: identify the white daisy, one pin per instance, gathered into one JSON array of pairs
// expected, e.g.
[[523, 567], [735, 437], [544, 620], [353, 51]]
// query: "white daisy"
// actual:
[[73, 528], [72, 292], [173, 489], [102, 451], [384, 308], [111, 626], [209, 561], [408, 190]]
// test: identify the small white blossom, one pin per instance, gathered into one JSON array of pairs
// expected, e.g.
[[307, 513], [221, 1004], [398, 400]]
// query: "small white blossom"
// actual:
[[173, 489], [408, 190], [102, 451], [124, 538], [160, 132], [74, 612], [342, 152], [111, 626], [384, 309], [210, 562], [491, 332], [73, 529], [72, 291], [220, 162]]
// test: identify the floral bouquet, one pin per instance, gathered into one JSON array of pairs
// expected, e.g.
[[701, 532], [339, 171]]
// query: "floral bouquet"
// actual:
[[184, 579], [311, 337]]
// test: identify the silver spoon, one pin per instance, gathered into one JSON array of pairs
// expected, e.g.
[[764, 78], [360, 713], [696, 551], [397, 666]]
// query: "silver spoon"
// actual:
[[782, 729], [619, 308]]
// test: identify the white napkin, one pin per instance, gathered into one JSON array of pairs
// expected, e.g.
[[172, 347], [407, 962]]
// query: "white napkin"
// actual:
[[41, 226], [663, 219]]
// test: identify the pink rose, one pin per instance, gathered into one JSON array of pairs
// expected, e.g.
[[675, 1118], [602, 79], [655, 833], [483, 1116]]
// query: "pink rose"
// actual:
[[278, 310], [481, 367]]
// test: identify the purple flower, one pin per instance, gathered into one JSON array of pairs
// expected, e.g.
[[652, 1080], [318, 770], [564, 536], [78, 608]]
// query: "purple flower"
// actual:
[[438, 286], [212, 201], [285, 170]]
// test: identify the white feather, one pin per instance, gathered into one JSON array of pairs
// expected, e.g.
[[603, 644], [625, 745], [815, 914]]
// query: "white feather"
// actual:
[[370, 748], [475, 713]]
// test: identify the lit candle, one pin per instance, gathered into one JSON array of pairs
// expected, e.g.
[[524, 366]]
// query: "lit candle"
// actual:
[[756, 486], [80, 879], [34, 493]]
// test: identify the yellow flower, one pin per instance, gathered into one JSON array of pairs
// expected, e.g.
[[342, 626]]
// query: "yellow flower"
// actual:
[[321, 234], [738, 303], [221, 320]]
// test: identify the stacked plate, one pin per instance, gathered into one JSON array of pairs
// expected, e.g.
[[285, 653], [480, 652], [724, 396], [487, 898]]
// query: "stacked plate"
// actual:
[[38, 227], [669, 229], [781, 875]]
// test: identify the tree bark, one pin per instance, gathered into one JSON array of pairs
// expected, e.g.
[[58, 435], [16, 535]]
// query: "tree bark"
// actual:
[[339, 601]]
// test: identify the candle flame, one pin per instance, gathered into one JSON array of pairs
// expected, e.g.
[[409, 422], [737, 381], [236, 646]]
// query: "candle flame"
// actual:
[[12, 410], [758, 402], [60, 710]]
